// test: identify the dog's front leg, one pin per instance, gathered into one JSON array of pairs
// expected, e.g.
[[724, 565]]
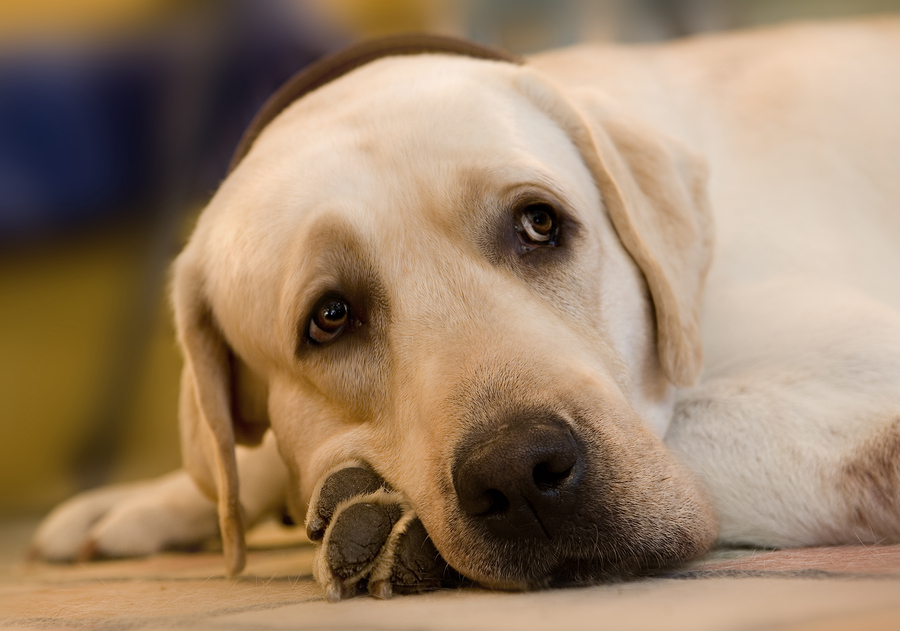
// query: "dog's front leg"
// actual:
[[142, 518], [371, 538]]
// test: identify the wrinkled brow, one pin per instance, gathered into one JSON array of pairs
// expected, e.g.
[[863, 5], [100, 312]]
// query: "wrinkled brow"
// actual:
[[335, 258]]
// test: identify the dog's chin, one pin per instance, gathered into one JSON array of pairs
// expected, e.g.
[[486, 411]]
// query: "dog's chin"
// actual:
[[533, 573], [575, 572], [586, 553], [531, 565]]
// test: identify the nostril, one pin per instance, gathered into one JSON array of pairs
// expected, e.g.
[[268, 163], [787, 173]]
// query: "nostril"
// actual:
[[483, 501], [498, 503], [555, 466], [547, 477]]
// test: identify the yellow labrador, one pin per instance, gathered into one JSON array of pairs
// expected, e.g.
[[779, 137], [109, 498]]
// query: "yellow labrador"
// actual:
[[464, 299]]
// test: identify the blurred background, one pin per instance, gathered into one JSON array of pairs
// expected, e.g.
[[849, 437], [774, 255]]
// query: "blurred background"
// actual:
[[117, 121]]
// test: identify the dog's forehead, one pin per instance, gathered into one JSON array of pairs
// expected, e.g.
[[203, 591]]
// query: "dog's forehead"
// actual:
[[404, 122], [430, 87], [428, 125]]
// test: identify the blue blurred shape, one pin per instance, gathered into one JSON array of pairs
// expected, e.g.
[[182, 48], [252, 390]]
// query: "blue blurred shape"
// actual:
[[75, 139]]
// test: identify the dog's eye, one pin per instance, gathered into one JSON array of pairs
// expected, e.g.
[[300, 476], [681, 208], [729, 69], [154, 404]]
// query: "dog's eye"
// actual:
[[329, 320], [537, 225]]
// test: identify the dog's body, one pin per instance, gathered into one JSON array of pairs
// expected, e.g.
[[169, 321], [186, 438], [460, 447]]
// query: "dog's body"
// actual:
[[436, 264], [799, 322]]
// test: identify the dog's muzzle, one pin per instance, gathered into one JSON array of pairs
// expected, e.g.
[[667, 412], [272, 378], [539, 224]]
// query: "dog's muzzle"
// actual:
[[537, 508]]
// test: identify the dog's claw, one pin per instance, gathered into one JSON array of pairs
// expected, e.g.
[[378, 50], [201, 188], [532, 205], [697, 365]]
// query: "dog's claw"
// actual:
[[371, 537], [89, 551], [315, 528], [336, 591], [381, 589]]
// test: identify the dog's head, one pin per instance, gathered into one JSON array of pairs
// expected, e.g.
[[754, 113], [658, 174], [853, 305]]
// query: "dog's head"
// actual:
[[485, 287]]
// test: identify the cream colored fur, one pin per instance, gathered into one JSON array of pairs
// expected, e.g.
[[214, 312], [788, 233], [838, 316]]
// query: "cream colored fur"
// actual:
[[773, 156]]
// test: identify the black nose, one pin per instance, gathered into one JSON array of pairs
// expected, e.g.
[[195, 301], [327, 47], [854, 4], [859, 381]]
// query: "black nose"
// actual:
[[519, 478]]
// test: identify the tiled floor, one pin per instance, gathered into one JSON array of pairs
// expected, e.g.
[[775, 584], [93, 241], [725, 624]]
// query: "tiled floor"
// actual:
[[828, 588]]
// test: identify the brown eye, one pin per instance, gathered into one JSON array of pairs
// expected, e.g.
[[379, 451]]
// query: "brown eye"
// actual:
[[329, 320], [536, 224]]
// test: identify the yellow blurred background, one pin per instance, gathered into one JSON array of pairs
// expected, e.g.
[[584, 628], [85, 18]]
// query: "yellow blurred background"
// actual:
[[88, 364]]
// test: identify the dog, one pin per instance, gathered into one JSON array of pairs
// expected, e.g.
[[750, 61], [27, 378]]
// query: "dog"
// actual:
[[543, 321]]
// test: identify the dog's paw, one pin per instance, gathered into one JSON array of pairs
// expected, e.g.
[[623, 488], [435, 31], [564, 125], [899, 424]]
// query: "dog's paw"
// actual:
[[371, 539], [127, 521]]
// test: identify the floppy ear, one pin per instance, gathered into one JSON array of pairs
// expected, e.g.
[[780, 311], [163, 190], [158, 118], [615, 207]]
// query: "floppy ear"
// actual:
[[654, 190], [221, 402]]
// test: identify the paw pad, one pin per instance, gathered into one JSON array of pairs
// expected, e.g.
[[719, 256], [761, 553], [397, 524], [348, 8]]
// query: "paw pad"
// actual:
[[371, 539]]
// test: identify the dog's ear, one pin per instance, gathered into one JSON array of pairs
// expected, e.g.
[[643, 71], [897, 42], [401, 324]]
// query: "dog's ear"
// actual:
[[221, 403], [654, 190]]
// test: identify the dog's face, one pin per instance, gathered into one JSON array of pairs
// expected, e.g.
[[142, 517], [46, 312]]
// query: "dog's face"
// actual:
[[416, 266]]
